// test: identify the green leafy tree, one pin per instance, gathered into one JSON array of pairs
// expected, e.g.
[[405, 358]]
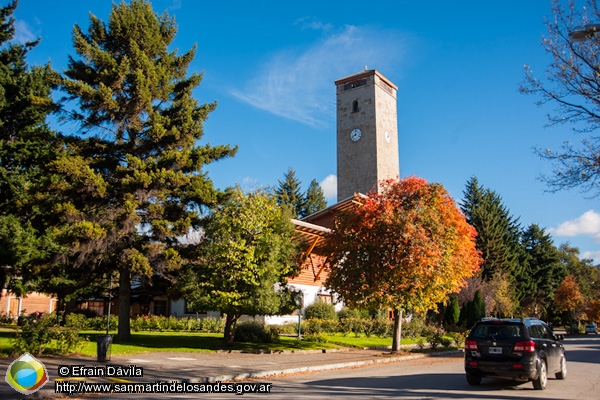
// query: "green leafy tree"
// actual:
[[26, 146], [406, 247], [315, 199], [243, 261], [134, 182], [542, 261], [585, 272], [572, 85], [289, 194]]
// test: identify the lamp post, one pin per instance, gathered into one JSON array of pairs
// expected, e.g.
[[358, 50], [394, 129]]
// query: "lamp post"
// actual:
[[581, 33]]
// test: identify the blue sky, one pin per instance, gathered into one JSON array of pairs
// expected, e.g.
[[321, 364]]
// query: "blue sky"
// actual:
[[271, 67]]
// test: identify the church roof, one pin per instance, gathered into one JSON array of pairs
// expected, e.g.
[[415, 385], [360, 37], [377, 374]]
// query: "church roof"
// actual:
[[313, 228]]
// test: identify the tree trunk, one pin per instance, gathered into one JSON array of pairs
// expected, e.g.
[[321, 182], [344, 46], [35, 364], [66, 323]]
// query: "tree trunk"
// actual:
[[124, 332], [230, 323], [397, 330]]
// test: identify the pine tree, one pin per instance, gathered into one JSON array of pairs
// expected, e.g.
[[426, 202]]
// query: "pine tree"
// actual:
[[134, 176], [315, 199], [545, 271], [289, 194], [497, 231], [26, 146]]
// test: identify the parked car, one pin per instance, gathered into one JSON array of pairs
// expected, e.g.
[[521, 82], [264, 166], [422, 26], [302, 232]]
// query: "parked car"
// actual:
[[591, 328], [519, 349]]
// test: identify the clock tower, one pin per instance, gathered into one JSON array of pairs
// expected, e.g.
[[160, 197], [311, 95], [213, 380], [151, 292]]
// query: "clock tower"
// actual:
[[367, 133]]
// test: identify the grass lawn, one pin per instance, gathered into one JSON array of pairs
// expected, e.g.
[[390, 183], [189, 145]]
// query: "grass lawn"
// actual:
[[361, 342], [145, 342]]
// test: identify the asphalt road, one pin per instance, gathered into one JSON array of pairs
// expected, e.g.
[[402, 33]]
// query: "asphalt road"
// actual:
[[429, 378]]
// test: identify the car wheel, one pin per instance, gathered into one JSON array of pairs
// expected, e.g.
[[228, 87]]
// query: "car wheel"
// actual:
[[473, 379], [540, 382], [562, 374]]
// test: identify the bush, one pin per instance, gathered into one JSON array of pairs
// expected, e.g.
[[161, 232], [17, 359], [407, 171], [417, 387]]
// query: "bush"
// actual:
[[352, 313], [213, 325], [435, 336], [85, 312], [99, 323], [460, 338], [414, 328], [77, 321], [255, 332], [318, 326], [6, 319], [320, 310], [43, 335], [383, 327], [289, 328], [315, 337]]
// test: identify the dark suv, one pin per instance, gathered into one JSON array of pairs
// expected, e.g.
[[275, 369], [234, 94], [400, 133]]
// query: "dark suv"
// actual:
[[519, 349]]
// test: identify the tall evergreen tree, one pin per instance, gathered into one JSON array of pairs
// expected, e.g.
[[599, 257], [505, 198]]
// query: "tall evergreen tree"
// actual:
[[134, 180], [497, 231], [542, 261], [452, 312], [289, 194], [315, 199], [26, 146]]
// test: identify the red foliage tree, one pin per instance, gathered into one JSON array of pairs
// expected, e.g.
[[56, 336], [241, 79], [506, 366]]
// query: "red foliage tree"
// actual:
[[406, 247]]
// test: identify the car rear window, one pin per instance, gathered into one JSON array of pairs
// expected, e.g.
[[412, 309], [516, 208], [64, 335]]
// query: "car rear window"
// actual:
[[496, 331]]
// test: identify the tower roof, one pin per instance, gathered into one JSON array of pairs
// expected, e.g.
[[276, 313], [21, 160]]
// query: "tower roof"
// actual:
[[364, 74]]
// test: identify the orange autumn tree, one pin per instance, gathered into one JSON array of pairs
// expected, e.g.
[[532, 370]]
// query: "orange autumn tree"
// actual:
[[406, 247], [568, 297]]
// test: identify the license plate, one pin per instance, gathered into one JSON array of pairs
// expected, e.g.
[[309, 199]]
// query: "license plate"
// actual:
[[495, 350]]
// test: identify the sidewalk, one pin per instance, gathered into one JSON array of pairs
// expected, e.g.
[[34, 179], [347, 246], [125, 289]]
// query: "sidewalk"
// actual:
[[209, 367]]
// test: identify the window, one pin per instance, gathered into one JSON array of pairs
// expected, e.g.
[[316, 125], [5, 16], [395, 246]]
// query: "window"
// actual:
[[536, 331], [325, 298], [355, 84], [189, 309], [160, 307], [355, 106]]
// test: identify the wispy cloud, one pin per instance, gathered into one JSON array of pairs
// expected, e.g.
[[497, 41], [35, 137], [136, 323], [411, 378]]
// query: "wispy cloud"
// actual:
[[587, 224], [312, 23], [591, 255], [23, 32], [329, 187], [175, 5], [296, 84]]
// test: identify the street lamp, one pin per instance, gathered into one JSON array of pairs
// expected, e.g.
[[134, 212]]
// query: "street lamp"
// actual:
[[581, 33]]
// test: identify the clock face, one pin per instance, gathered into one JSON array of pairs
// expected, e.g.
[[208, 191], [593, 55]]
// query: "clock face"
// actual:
[[355, 134], [388, 138]]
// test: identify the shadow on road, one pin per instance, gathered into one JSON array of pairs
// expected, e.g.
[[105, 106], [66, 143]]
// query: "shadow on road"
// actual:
[[452, 386]]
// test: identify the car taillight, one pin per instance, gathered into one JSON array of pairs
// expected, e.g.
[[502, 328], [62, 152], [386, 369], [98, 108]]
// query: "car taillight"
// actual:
[[470, 345], [527, 346]]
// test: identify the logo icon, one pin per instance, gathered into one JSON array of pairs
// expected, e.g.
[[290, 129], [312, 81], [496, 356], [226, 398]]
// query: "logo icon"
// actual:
[[26, 374]]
